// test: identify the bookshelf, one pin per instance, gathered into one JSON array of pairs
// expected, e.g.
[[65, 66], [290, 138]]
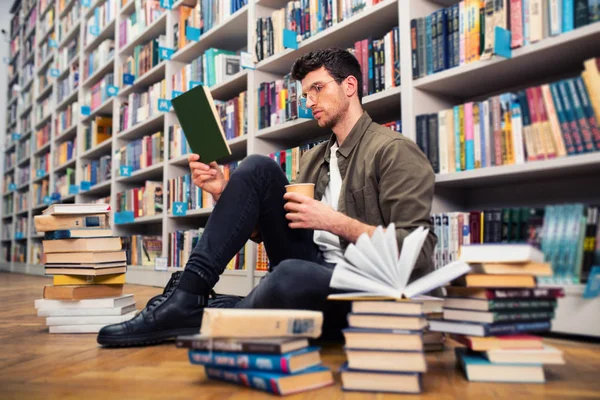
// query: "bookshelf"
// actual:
[[572, 178]]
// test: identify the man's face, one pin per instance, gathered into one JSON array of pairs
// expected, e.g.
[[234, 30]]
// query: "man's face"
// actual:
[[327, 99]]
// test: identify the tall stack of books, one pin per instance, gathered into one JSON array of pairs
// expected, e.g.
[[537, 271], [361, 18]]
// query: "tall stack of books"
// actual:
[[384, 346], [87, 265], [280, 361], [492, 310]]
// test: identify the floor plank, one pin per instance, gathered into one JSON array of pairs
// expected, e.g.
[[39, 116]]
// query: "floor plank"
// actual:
[[37, 365]]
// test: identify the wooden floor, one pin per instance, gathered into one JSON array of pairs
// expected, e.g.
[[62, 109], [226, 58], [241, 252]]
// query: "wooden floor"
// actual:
[[37, 365]]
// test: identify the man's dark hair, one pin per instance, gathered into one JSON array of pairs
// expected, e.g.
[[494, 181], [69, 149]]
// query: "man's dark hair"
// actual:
[[338, 62]]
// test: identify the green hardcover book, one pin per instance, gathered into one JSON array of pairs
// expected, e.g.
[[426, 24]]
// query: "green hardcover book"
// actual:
[[201, 124]]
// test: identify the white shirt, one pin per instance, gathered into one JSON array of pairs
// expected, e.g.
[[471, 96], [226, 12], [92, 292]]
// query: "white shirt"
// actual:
[[328, 242]]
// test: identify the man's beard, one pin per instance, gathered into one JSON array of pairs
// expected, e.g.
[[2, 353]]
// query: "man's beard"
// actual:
[[333, 121]]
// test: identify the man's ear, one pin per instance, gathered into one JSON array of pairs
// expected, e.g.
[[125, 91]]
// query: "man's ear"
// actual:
[[351, 86]]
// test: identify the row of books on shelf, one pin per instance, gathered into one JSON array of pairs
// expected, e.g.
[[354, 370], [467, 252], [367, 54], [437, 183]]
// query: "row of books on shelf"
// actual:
[[69, 20], [142, 153], [145, 13], [97, 132], [464, 32], [46, 23], [66, 55], [67, 85], [42, 135], [541, 122], [142, 201], [97, 171], [567, 234], [65, 119], [306, 19], [45, 51], [143, 59], [42, 163], [24, 149], [65, 152], [98, 58], [21, 201], [40, 191], [182, 243], [63, 182], [99, 92], [102, 16], [141, 106], [210, 68]]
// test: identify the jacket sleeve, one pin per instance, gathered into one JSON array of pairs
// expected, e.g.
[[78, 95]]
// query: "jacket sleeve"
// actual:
[[406, 184]]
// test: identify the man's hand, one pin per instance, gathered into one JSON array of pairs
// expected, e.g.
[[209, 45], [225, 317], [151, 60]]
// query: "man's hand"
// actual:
[[207, 177], [307, 213]]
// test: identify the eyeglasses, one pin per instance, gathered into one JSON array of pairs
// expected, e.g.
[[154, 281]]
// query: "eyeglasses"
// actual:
[[313, 93]]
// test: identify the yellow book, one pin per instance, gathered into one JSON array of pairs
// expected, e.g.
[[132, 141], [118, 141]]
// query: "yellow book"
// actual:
[[461, 124], [64, 280], [591, 78]]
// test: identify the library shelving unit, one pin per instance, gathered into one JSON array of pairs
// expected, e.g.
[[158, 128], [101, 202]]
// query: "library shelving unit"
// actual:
[[573, 178]]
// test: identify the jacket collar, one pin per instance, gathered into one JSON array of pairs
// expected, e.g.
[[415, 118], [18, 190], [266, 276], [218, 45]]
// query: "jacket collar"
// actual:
[[353, 138]]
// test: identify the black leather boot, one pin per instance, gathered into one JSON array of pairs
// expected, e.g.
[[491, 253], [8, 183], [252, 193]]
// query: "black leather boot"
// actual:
[[166, 316]]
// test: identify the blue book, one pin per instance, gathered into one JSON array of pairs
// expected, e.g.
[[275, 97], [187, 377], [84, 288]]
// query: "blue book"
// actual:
[[287, 363], [477, 368], [281, 384], [394, 382], [77, 233]]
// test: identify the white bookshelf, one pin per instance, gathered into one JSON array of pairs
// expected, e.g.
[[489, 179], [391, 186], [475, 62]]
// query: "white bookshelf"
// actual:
[[532, 184]]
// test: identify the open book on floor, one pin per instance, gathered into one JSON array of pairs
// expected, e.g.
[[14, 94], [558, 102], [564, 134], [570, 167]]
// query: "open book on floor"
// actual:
[[372, 269]]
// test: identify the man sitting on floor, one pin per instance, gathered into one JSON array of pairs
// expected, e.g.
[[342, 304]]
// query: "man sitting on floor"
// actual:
[[365, 175]]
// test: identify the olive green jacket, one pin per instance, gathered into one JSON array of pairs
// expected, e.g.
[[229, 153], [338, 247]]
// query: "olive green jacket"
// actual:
[[385, 178]]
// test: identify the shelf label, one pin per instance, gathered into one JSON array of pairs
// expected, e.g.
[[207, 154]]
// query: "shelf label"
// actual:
[[302, 113], [16, 136], [18, 235], [125, 170], [502, 42], [160, 264], [192, 33], [124, 217], [40, 173], [12, 187], [166, 4], [290, 39], [86, 3], [179, 208], [111, 90], [95, 30], [592, 289], [55, 196], [85, 185], [193, 84], [176, 93], [85, 110], [52, 43], [164, 105], [47, 200], [164, 53], [54, 72], [128, 79], [73, 189], [247, 60]]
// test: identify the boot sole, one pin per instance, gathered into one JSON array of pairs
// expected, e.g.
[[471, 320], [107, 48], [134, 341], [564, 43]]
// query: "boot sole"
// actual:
[[145, 339]]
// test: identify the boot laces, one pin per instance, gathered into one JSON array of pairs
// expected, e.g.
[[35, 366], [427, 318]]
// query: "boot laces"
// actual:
[[169, 288]]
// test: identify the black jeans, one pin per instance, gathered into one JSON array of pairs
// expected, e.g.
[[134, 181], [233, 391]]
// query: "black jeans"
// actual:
[[299, 276]]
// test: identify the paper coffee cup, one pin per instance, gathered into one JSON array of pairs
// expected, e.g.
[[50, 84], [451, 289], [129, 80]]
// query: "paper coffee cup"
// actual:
[[307, 189]]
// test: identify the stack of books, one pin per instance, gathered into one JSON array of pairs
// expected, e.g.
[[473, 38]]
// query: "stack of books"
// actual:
[[384, 346], [266, 350], [87, 265], [492, 310]]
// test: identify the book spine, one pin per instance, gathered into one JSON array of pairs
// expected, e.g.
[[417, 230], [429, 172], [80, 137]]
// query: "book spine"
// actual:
[[518, 304], [538, 293], [245, 378], [524, 315], [513, 328], [275, 363]]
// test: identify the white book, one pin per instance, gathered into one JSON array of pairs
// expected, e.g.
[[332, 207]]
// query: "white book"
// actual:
[[443, 142], [545, 355], [500, 253], [76, 328], [372, 268], [77, 209], [89, 319], [108, 302], [74, 312]]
